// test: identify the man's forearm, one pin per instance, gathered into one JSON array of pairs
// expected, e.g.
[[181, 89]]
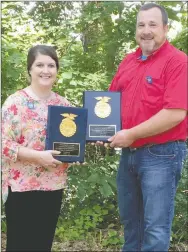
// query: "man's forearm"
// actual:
[[159, 123]]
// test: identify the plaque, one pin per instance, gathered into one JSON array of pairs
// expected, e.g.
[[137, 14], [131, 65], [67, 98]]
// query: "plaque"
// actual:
[[66, 132], [104, 114]]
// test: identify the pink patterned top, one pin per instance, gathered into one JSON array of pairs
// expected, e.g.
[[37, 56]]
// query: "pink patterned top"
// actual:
[[24, 124]]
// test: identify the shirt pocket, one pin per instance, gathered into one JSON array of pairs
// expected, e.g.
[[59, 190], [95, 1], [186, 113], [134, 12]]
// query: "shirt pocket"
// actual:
[[152, 92]]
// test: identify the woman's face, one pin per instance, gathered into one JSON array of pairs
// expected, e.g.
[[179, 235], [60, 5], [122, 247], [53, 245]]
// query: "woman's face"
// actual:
[[43, 71]]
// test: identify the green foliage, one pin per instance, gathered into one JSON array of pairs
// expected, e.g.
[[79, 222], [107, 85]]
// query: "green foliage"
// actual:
[[90, 204], [78, 228], [3, 218], [113, 238], [89, 226], [72, 83], [181, 41], [93, 183], [3, 224]]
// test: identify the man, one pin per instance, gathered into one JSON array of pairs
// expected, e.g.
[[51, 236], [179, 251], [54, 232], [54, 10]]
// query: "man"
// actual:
[[153, 84]]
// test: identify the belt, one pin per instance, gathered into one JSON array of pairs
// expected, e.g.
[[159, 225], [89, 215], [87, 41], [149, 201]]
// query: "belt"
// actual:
[[132, 149]]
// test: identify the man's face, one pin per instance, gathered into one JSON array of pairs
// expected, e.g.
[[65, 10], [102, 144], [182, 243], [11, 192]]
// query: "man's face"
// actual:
[[150, 30]]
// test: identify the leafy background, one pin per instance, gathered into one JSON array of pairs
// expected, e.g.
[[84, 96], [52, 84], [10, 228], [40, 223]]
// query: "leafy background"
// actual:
[[91, 39]]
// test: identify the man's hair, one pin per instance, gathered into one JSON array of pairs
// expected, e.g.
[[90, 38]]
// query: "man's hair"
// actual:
[[153, 5]]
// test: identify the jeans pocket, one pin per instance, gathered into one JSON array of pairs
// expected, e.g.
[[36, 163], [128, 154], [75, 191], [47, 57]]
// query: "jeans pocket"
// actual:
[[185, 153], [166, 150], [184, 150]]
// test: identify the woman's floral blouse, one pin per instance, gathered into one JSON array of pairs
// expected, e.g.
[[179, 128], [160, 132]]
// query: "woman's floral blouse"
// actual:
[[24, 124]]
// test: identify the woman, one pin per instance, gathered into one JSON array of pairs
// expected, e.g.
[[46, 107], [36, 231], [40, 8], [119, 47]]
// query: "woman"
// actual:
[[32, 179]]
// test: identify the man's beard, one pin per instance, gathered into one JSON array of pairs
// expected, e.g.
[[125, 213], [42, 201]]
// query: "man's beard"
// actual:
[[148, 48]]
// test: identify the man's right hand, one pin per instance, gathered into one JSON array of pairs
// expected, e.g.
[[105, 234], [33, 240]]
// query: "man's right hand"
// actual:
[[100, 143]]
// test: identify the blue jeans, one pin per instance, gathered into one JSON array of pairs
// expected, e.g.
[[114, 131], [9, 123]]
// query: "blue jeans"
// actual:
[[147, 180]]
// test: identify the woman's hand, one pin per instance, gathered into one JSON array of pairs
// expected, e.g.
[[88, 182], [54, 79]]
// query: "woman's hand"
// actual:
[[46, 159]]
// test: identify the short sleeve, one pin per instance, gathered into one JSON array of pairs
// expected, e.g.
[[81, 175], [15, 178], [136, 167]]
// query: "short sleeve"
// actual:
[[176, 91], [11, 129]]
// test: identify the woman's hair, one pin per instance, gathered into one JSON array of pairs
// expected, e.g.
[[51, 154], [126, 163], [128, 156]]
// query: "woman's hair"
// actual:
[[44, 50]]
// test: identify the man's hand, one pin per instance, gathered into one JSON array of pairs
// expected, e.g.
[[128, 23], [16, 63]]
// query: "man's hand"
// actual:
[[100, 143], [122, 139]]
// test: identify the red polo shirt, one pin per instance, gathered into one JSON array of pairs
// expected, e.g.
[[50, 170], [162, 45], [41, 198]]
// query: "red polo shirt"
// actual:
[[147, 86]]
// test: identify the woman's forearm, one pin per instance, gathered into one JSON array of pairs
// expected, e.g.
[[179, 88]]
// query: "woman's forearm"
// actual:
[[26, 154], [43, 158]]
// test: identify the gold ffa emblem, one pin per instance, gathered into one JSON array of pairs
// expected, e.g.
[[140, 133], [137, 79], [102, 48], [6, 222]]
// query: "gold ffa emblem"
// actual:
[[102, 108], [68, 127]]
